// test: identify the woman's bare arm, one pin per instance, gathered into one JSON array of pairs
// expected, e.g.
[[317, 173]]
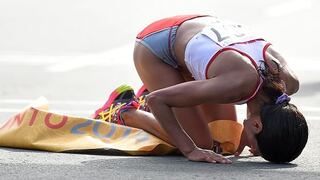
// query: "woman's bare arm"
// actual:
[[287, 75], [223, 89]]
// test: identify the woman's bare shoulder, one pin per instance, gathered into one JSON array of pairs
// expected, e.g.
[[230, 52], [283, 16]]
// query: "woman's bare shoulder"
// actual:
[[286, 74], [274, 53]]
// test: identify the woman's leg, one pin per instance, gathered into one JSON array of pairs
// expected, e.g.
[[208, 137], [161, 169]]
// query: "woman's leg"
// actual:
[[213, 112], [146, 121], [155, 74]]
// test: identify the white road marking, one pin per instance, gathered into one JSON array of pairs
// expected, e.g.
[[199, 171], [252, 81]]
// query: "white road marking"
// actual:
[[121, 55], [30, 60]]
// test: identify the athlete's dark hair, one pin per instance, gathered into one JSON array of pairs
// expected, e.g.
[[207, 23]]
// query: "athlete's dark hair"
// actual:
[[284, 131]]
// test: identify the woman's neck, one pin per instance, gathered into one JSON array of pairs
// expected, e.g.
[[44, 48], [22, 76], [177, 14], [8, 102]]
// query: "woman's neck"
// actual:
[[254, 106]]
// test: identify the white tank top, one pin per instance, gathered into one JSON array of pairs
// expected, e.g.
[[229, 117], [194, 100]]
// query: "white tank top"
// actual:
[[219, 36]]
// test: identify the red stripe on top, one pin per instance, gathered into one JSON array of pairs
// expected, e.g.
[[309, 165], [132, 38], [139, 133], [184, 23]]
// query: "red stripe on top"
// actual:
[[166, 23], [264, 51], [227, 49], [252, 94]]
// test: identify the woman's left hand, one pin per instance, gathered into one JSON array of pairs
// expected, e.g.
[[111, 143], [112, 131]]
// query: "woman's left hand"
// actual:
[[205, 155]]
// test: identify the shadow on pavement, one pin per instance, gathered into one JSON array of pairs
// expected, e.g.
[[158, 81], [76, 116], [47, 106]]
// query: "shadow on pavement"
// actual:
[[247, 162], [179, 163], [242, 162], [84, 166]]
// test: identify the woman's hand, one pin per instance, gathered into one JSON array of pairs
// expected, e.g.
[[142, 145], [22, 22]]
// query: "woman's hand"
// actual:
[[204, 155], [249, 141]]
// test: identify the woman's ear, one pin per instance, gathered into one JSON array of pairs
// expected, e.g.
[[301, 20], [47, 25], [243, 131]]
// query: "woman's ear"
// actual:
[[256, 125]]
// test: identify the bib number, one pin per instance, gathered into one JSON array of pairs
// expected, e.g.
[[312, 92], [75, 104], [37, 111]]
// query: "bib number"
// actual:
[[226, 33]]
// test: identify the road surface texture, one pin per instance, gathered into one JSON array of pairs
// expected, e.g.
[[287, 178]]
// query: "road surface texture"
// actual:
[[76, 52]]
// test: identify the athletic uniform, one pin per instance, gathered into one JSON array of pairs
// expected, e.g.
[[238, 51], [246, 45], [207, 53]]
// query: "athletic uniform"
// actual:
[[159, 37], [204, 47]]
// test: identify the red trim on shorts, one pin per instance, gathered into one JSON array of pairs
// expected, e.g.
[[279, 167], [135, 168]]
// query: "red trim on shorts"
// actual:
[[251, 95], [166, 23]]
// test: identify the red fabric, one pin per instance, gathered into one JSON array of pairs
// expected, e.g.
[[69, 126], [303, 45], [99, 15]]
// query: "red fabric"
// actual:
[[265, 50], [166, 23]]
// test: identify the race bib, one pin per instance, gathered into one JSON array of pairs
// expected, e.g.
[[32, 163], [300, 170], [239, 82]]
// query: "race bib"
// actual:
[[225, 33]]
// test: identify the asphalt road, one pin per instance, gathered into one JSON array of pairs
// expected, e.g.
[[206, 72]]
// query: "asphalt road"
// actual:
[[75, 53]]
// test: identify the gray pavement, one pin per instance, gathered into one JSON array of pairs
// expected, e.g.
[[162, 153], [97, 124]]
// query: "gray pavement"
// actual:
[[75, 53], [22, 164]]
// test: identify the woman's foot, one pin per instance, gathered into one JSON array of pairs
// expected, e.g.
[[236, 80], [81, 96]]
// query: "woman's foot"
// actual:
[[120, 100]]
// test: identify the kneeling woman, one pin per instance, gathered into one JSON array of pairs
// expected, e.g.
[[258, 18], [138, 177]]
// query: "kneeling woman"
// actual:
[[196, 68]]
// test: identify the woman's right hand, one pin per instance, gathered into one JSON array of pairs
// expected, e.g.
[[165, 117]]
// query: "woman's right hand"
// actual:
[[205, 155]]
